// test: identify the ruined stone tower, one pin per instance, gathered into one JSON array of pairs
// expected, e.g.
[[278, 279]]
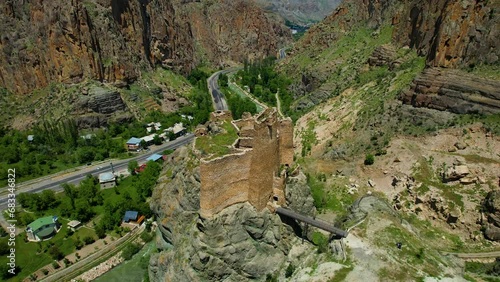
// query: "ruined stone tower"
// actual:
[[252, 173]]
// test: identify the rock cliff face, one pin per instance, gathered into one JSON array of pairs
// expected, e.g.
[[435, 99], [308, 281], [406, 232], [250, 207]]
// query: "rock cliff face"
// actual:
[[455, 91], [109, 40], [237, 244], [449, 33]]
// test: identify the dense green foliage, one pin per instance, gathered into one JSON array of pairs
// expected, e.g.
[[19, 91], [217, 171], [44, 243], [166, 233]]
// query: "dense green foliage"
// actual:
[[130, 250], [264, 82], [238, 105], [48, 152]]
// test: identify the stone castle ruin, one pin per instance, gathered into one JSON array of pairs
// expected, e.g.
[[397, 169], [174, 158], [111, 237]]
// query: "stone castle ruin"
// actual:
[[256, 169]]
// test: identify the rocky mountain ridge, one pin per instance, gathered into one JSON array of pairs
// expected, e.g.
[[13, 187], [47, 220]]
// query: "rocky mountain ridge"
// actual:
[[113, 41], [448, 34], [238, 244]]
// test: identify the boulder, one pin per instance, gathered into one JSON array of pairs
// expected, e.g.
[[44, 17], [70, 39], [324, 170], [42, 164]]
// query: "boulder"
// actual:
[[492, 233], [461, 146], [456, 172]]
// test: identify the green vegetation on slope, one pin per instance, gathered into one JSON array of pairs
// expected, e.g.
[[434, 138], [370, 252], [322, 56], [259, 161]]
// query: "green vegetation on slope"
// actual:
[[87, 203], [217, 145], [264, 82]]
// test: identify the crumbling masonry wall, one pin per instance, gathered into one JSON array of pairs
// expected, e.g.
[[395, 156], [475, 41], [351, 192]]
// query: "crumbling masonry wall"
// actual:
[[251, 174]]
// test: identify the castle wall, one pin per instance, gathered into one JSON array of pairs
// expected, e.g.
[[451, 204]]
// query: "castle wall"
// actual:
[[224, 182], [286, 141]]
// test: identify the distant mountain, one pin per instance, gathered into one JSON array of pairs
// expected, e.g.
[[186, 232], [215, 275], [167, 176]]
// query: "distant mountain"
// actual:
[[301, 12]]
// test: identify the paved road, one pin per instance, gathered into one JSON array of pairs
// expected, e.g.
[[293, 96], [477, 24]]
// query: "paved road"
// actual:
[[218, 98], [75, 177]]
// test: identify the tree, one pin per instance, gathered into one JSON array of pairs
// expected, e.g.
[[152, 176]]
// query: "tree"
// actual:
[[55, 253], [100, 231], [83, 210], [157, 140], [89, 189], [48, 198], [71, 193], [132, 166]]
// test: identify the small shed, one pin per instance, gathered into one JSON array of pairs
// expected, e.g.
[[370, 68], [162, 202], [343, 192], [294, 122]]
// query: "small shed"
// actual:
[[130, 216], [74, 224], [154, 157], [107, 180]]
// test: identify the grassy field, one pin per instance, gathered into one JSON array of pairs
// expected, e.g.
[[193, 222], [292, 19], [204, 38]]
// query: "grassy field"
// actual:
[[132, 270], [217, 145], [31, 256]]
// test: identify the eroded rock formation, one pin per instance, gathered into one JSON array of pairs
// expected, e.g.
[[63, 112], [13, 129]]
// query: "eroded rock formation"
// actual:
[[456, 91], [240, 243], [113, 41]]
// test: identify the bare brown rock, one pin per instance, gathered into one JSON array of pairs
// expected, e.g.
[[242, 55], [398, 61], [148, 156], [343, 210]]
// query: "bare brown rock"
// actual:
[[113, 41], [455, 91]]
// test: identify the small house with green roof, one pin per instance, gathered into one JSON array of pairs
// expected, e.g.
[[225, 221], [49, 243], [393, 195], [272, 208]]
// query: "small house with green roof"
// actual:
[[43, 228]]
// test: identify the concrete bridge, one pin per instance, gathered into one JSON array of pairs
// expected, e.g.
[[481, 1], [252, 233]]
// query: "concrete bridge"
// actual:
[[314, 222]]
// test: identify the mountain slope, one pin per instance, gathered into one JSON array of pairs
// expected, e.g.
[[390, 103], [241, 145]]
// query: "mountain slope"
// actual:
[[301, 12], [112, 41]]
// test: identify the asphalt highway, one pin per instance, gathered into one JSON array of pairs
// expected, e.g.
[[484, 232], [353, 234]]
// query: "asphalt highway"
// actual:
[[75, 178], [218, 98]]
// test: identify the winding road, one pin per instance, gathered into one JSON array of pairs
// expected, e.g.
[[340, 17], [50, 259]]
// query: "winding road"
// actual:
[[218, 98]]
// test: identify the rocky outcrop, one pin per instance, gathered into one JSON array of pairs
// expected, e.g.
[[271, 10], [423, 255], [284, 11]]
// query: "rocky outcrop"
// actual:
[[450, 33], [456, 172], [384, 55], [233, 30], [98, 106], [298, 195], [113, 41], [455, 91], [491, 207], [238, 243]]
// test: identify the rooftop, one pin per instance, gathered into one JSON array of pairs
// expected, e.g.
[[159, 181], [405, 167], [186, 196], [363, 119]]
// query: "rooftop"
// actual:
[[134, 141], [74, 223], [106, 177], [39, 223], [130, 215], [154, 157]]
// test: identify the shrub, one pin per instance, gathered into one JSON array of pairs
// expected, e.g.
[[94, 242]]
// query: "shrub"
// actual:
[[321, 241], [55, 253], [130, 250], [289, 270], [369, 159], [55, 265], [88, 240], [78, 244], [45, 271]]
